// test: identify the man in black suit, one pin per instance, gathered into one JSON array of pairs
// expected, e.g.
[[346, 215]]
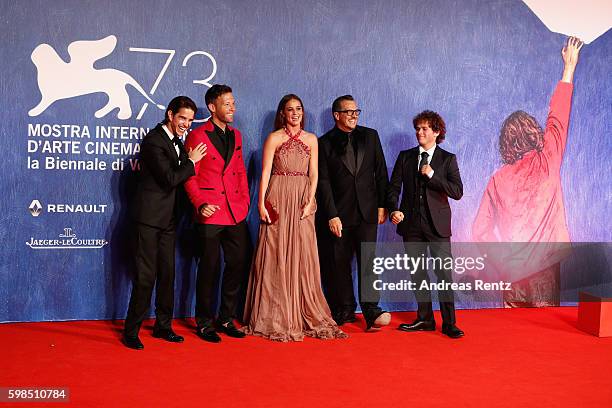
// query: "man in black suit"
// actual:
[[164, 166], [351, 196], [428, 175]]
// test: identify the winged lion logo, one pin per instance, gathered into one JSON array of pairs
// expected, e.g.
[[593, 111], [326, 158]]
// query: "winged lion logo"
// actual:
[[58, 79]]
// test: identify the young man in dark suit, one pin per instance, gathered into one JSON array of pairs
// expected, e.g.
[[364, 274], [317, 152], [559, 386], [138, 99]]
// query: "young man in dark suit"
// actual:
[[428, 175], [164, 166], [351, 196]]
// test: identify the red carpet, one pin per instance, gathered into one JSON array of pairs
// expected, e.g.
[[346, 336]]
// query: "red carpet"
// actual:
[[509, 358]]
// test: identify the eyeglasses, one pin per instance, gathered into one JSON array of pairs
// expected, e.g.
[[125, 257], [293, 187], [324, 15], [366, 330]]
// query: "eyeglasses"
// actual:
[[351, 112]]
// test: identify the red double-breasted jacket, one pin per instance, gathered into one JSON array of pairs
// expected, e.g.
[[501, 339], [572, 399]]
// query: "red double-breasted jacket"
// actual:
[[218, 181]]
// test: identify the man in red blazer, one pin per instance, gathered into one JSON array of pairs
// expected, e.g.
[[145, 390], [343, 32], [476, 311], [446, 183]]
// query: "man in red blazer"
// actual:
[[219, 193]]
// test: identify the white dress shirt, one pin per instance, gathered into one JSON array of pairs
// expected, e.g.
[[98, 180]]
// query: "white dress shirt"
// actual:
[[430, 152]]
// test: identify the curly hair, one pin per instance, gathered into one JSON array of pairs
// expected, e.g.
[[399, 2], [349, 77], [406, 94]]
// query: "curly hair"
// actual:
[[519, 134], [435, 122]]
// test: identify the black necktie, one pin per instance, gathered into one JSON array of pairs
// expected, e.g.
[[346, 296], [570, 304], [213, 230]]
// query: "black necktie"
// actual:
[[424, 157], [421, 195], [350, 154], [176, 141]]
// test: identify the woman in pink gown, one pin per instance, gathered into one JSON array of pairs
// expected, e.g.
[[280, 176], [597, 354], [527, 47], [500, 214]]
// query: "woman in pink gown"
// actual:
[[285, 301]]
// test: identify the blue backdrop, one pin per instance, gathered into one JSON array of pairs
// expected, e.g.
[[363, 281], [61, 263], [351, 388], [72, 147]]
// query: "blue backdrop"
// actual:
[[472, 61]]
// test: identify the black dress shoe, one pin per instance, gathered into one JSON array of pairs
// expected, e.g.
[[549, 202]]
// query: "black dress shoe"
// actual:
[[418, 325], [338, 318], [208, 334], [133, 342], [168, 335], [452, 331], [344, 316], [229, 329], [349, 317]]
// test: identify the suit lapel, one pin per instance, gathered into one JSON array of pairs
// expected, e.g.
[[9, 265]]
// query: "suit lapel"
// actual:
[[231, 143], [361, 147], [436, 160], [169, 143], [211, 136], [412, 162]]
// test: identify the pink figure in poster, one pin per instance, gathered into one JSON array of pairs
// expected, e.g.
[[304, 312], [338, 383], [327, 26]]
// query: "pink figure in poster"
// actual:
[[523, 201]]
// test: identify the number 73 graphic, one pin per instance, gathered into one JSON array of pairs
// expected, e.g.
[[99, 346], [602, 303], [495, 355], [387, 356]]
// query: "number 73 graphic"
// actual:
[[162, 72]]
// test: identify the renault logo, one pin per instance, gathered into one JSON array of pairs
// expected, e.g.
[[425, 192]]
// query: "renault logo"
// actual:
[[35, 208]]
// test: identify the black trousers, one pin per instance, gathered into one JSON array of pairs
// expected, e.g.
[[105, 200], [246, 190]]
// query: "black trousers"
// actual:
[[336, 256], [419, 237], [154, 261], [237, 250]]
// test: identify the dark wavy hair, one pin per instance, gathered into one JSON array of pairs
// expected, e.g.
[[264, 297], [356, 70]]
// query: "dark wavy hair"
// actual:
[[519, 134], [435, 122], [177, 103], [279, 121]]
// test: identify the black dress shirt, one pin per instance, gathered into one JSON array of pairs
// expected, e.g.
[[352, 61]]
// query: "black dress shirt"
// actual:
[[222, 140]]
